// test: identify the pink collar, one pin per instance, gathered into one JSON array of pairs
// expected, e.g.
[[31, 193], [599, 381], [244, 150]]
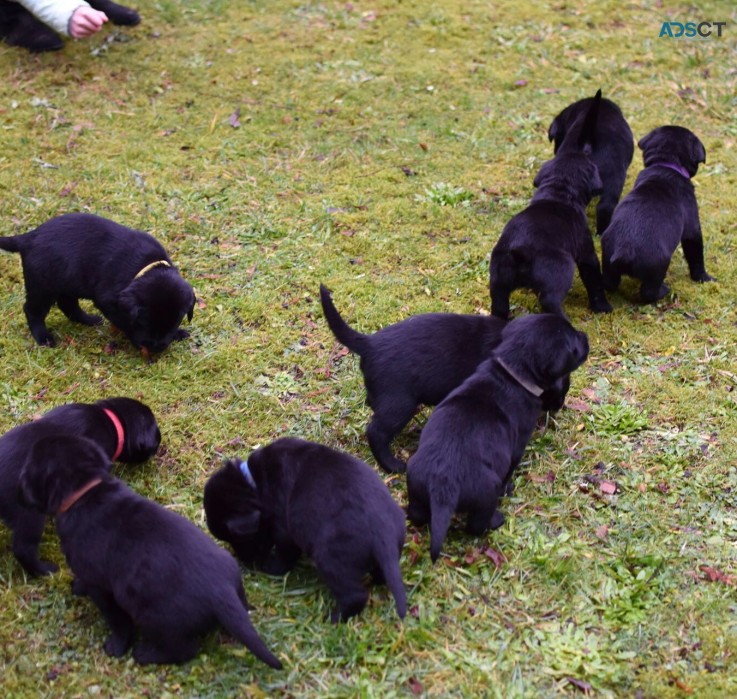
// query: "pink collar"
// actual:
[[673, 166], [118, 430]]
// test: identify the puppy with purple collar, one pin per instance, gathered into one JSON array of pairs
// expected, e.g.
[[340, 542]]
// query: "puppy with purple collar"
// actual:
[[659, 213]]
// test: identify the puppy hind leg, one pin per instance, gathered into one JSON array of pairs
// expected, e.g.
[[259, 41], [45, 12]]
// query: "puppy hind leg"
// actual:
[[693, 251], [551, 277], [70, 308], [611, 276], [122, 630], [604, 210], [503, 281], [385, 424], [36, 310], [481, 516], [26, 539], [157, 648], [653, 287], [418, 512], [590, 273]]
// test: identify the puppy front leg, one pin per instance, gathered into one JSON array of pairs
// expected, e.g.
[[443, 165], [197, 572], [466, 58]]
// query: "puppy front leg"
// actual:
[[70, 308], [590, 273], [122, 630], [26, 539], [282, 558], [693, 251]]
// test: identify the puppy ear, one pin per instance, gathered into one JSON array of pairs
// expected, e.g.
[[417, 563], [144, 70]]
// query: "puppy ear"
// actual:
[[129, 304], [644, 142], [36, 489], [244, 524], [554, 132], [698, 152]]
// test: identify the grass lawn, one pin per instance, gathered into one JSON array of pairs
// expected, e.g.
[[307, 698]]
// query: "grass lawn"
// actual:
[[380, 148]]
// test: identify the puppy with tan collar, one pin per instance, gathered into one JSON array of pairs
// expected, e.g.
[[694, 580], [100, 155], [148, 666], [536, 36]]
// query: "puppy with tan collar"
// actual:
[[126, 273], [476, 437]]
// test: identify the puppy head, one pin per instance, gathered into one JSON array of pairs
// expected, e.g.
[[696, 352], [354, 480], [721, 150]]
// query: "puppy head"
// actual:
[[673, 144], [233, 511], [544, 348], [154, 307], [571, 174], [141, 431], [57, 466]]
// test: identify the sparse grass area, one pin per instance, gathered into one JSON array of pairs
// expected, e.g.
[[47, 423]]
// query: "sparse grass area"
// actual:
[[380, 148]]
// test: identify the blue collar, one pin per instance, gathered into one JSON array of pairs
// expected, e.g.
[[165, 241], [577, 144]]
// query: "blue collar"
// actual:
[[243, 466]]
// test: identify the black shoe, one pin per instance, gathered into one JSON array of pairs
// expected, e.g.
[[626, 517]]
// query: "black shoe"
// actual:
[[117, 14], [18, 27]]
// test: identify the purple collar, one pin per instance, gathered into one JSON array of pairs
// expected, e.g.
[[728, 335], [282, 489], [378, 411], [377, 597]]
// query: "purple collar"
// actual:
[[673, 166]]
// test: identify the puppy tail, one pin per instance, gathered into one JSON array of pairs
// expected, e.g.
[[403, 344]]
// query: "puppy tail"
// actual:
[[587, 137], [344, 333], [10, 243], [440, 516], [234, 618], [388, 562]]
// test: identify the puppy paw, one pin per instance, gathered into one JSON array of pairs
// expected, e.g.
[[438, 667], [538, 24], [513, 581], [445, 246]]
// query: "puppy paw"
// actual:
[[601, 307], [703, 277], [393, 466], [116, 645], [497, 519], [181, 334], [45, 339], [40, 568], [79, 589]]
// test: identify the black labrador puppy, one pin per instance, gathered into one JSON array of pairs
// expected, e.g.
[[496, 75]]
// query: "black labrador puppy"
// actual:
[[126, 273], [659, 213], [475, 438], [293, 497], [612, 148], [415, 362], [124, 428], [540, 246], [147, 569]]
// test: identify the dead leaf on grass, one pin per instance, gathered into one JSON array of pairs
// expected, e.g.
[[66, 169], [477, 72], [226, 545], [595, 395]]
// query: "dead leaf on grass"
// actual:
[[585, 687]]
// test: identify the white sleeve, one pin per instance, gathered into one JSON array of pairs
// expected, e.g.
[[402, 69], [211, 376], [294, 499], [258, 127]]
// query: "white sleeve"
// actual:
[[55, 13]]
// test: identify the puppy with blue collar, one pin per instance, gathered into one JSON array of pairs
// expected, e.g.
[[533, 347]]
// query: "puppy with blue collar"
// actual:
[[293, 497]]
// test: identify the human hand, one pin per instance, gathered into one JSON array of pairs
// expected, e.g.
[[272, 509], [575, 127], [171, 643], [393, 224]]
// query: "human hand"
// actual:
[[85, 21]]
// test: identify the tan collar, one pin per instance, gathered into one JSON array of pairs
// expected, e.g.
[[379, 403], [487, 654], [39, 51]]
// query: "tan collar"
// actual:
[[148, 268], [527, 385], [77, 494]]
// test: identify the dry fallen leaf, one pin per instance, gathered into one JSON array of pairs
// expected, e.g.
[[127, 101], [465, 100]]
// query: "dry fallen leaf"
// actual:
[[607, 487]]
